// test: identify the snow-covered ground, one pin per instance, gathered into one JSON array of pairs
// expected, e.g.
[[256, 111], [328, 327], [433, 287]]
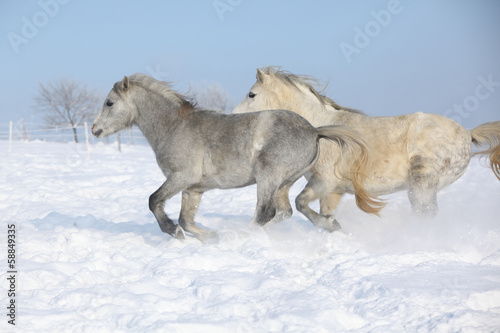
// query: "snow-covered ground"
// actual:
[[91, 257]]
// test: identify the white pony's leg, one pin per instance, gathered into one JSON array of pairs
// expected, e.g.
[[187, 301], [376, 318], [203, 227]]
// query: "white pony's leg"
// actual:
[[329, 203], [423, 186], [315, 189]]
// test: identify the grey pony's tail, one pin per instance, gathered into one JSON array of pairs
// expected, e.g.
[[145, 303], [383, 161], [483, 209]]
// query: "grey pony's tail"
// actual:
[[347, 138], [489, 134]]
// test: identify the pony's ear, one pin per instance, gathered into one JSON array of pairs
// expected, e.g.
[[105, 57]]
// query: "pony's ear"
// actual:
[[260, 75], [125, 83]]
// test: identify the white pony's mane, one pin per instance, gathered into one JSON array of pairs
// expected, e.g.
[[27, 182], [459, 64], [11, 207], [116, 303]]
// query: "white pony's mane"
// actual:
[[161, 87], [306, 81]]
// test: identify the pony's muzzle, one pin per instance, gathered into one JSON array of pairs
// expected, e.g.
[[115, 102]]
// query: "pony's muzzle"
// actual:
[[96, 133]]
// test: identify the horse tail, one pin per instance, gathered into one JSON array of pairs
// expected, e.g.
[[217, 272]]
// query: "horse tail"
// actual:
[[347, 139], [489, 134]]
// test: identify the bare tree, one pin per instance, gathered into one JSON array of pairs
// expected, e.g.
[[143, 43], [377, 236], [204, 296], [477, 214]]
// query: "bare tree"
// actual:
[[211, 96], [67, 103]]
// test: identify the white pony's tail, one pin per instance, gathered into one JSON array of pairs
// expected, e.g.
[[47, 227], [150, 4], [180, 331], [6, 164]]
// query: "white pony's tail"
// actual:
[[489, 134]]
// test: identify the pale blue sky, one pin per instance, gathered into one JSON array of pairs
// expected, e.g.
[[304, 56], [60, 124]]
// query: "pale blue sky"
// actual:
[[431, 56]]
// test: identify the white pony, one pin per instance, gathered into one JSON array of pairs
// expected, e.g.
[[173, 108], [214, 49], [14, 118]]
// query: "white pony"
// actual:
[[420, 152]]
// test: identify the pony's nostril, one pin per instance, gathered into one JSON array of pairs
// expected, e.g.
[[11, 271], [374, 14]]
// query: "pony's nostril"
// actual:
[[97, 133]]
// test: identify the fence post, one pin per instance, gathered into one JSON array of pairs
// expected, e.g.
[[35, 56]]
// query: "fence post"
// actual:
[[119, 143], [87, 140], [10, 137]]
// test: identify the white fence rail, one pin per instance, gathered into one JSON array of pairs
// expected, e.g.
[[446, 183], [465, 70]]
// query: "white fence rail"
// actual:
[[26, 132]]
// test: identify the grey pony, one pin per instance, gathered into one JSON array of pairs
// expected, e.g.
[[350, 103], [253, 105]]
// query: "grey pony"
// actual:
[[199, 150]]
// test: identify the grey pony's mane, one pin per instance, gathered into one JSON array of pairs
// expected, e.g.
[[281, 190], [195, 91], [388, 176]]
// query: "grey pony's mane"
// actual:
[[309, 82], [185, 103]]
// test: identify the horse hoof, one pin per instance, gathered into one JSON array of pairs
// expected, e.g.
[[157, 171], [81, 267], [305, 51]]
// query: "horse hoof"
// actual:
[[329, 223], [179, 233], [336, 225]]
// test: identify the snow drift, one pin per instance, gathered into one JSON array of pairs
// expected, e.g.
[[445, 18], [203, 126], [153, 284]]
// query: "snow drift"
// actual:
[[91, 257]]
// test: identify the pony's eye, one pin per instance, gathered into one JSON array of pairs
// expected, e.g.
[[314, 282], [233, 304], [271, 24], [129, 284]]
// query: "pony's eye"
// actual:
[[251, 94], [109, 103]]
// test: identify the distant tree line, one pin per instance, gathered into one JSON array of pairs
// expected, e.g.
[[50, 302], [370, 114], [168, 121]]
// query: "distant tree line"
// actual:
[[67, 103]]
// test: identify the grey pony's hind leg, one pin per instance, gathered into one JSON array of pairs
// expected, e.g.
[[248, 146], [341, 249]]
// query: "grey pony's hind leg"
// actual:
[[273, 204], [314, 190], [283, 209], [266, 207], [190, 203], [278, 168], [423, 187]]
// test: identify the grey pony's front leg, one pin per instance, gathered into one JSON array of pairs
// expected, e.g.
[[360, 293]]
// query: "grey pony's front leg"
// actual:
[[170, 187], [190, 202]]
